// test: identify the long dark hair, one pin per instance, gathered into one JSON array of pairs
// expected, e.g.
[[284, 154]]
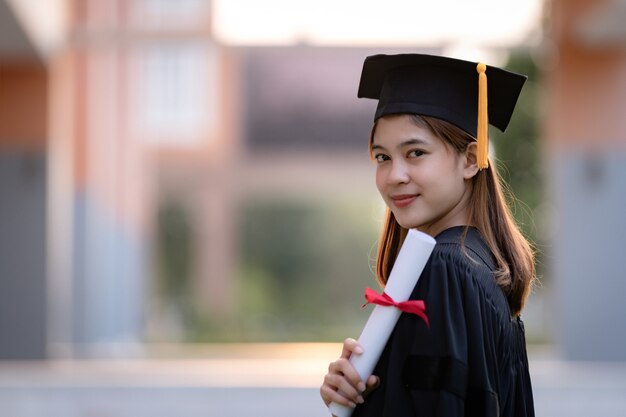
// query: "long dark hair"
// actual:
[[488, 212]]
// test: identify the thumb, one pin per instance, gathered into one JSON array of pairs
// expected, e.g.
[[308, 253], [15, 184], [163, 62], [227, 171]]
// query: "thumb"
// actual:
[[373, 382]]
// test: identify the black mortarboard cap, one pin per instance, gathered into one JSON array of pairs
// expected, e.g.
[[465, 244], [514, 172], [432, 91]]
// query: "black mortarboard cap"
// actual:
[[441, 87]]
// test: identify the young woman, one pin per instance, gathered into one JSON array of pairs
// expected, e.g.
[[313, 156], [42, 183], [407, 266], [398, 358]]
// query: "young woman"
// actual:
[[429, 144]]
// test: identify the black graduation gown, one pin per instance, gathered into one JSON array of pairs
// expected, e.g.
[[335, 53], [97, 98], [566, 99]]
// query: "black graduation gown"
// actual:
[[472, 359]]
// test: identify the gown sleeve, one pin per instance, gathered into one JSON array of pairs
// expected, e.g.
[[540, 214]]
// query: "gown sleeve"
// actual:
[[449, 369]]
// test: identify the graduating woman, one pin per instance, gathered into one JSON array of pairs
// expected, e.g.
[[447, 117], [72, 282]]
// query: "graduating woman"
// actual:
[[429, 141]]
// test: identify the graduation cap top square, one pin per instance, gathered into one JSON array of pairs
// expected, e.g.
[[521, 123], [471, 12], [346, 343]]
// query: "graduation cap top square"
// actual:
[[440, 87]]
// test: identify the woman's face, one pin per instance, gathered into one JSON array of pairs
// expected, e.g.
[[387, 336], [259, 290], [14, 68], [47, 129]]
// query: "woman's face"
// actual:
[[423, 181]]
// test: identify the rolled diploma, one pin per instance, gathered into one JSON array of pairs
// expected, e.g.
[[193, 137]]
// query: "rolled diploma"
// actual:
[[405, 273]]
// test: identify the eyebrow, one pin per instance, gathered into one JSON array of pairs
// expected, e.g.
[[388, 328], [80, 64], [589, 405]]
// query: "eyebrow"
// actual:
[[412, 141]]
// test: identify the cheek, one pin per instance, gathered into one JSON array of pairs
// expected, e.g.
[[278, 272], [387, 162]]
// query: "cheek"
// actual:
[[456, 185], [448, 175], [426, 177], [380, 179]]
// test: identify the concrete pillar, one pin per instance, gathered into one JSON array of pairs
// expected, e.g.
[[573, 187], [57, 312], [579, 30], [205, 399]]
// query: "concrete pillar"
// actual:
[[97, 226]]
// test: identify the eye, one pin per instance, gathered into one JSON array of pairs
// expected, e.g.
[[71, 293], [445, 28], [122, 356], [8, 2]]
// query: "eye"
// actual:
[[415, 153], [380, 158]]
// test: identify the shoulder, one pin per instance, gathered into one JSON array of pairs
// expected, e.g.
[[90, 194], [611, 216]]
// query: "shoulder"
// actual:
[[463, 247], [462, 266]]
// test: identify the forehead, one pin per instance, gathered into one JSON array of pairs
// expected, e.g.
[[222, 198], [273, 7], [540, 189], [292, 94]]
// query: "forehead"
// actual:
[[399, 128]]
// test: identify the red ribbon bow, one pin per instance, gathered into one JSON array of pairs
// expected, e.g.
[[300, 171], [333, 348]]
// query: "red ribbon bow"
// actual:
[[417, 307]]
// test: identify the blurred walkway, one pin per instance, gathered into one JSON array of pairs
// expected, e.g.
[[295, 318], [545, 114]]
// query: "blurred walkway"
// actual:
[[262, 380]]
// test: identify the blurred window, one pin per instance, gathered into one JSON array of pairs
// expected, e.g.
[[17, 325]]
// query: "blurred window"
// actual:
[[304, 98], [169, 14], [177, 92]]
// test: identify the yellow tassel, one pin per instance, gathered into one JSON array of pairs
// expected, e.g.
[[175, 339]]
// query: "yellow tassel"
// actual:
[[482, 131]]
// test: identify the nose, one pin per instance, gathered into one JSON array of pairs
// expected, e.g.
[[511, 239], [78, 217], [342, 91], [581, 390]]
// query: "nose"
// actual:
[[399, 173]]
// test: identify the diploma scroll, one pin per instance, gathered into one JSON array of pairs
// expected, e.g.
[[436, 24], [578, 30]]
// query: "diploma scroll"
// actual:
[[406, 271]]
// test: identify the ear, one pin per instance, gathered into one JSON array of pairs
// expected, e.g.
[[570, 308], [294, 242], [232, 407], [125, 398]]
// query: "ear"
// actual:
[[470, 161]]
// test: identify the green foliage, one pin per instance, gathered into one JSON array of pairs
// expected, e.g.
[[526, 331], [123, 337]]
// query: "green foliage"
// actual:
[[518, 151], [303, 268], [174, 248]]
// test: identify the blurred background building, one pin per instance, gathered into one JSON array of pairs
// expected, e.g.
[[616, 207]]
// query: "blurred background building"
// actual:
[[585, 136], [196, 172], [180, 181]]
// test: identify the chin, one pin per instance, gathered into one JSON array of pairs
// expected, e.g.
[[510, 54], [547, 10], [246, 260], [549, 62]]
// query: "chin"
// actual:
[[408, 223]]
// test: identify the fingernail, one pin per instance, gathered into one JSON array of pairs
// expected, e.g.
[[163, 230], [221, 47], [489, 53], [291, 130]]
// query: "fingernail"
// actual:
[[361, 387], [358, 350], [360, 400], [352, 405]]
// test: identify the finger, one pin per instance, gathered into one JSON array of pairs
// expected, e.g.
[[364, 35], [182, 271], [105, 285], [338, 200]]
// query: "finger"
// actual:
[[329, 395], [351, 346], [373, 382], [344, 368], [326, 393], [345, 388], [342, 385]]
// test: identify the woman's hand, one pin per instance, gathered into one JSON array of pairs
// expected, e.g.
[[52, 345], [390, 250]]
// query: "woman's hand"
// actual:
[[342, 384]]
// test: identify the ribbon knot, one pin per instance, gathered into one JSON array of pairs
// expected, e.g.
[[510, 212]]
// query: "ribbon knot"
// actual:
[[417, 307]]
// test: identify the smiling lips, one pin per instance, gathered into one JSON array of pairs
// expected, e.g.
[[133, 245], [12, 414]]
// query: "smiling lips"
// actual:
[[403, 200]]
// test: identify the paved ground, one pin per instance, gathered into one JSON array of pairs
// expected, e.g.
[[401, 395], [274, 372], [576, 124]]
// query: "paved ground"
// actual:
[[254, 380]]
